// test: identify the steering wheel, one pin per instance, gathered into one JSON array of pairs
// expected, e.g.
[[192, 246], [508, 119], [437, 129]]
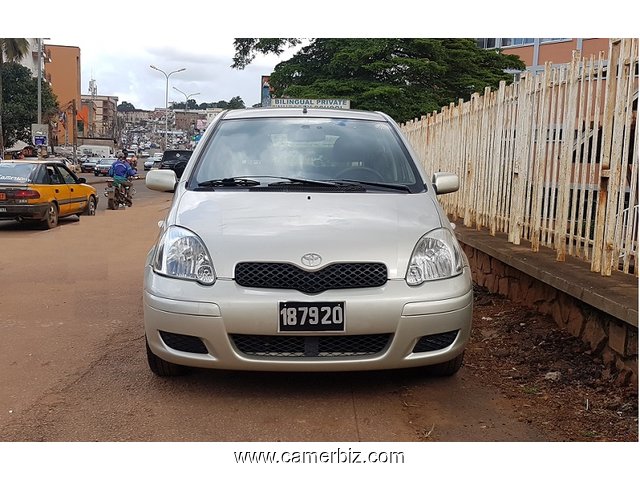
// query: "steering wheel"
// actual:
[[366, 174]]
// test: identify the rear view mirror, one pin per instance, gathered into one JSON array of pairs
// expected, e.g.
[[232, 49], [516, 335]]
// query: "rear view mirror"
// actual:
[[306, 133]]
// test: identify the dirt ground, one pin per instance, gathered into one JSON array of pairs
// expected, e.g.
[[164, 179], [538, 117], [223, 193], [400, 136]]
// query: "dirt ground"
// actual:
[[548, 375]]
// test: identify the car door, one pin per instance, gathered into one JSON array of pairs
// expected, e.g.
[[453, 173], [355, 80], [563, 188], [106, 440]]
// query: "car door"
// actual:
[[58, 189], [77, 200]]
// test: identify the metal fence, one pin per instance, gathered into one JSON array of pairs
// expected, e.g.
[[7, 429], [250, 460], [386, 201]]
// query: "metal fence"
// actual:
[[552, 158]]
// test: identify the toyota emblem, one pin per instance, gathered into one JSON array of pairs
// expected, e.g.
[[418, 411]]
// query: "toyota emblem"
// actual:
[[311, 259]]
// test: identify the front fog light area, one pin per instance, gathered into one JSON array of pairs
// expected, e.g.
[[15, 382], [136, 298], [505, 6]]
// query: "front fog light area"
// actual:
[[181, 254], [436, 256]]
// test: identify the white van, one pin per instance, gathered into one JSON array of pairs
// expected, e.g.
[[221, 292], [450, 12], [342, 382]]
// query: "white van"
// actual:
[[96, 151]]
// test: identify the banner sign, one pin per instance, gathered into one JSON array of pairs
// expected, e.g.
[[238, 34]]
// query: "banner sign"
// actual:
[[311, 103]]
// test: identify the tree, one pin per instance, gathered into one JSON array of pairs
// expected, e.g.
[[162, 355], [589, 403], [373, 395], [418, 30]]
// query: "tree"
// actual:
[[14, 50], [20, 103], [126, 107], [404, 77], [247, 48]]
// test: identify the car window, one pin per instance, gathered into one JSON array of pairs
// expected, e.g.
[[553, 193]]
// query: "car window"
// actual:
[[310, 148], [175, 155], [16, 172], [66, 175]]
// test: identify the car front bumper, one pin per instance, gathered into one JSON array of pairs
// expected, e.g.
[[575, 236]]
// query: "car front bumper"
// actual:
[[178, 312]]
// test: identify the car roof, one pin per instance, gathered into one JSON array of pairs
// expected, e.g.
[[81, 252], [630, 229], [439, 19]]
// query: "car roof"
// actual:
[[288, 112]]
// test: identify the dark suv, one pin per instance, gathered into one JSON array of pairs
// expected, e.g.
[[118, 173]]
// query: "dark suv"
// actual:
[[175, 160]]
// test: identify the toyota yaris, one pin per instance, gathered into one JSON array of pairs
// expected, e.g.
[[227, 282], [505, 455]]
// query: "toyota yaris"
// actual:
[[305, 240]]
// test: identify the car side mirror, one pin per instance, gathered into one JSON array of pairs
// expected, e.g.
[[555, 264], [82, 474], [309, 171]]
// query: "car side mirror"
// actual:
[[445, 182], [81, 180], [161, 180]]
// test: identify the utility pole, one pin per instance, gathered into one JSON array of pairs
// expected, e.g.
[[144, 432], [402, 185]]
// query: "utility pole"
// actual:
[[75, 131]]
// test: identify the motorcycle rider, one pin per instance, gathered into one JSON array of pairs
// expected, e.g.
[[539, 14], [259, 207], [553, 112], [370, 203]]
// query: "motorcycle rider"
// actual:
[[121, 171]]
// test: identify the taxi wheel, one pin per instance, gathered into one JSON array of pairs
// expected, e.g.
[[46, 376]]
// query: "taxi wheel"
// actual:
[[447, 369], [91, 206], [51, 218], [161, 367]]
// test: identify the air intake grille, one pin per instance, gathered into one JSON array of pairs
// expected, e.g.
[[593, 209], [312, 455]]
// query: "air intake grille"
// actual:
[[184, 343], [288, 276], [316, 346], [430, 343]]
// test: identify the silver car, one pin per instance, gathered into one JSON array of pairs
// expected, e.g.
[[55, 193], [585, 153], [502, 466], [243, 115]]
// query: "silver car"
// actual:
[[305, 240]]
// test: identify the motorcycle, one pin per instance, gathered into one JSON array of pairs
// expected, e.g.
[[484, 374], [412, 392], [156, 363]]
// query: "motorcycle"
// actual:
[[119, 196]]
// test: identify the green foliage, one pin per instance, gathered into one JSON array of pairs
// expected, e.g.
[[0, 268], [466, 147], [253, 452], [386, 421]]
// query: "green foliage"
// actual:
[[126, 107], [20, 103], [234, 103], [403, 77], [247, 48]]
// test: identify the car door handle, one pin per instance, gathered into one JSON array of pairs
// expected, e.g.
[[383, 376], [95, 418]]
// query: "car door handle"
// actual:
[[57, 191]]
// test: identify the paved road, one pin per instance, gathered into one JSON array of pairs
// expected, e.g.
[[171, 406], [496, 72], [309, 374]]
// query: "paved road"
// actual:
[[73, 367]]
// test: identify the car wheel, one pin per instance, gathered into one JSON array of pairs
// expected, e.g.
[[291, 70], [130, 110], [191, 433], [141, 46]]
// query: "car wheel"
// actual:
[[161, 367], [91, 206], [51, 218], [446, 369]]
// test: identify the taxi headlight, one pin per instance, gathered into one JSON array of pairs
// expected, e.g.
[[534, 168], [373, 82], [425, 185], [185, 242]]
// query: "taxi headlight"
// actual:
[[437, 255], [180, 253]]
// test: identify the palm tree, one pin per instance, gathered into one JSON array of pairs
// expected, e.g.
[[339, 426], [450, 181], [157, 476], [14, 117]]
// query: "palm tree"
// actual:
[[13, 50]]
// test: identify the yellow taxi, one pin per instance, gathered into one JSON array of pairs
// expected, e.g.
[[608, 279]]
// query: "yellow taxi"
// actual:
[[43, 191]]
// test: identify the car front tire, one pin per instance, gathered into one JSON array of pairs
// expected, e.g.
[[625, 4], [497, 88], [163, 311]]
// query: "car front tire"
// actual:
[[447, 369], [91, 206], [161, 367]]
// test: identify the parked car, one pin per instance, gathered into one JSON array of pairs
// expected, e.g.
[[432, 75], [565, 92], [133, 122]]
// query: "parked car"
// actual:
[[103, 165], [175, 160], [43, 191], [88, 164], [305, 240]]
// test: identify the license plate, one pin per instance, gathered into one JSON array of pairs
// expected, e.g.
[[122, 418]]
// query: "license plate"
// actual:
[[311, 317], [2, 209]]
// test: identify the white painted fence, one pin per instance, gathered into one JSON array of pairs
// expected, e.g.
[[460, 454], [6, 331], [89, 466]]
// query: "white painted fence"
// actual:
[[552, 158]]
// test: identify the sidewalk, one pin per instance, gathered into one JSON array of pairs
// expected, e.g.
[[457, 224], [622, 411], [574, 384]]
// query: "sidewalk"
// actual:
[[616, 295]]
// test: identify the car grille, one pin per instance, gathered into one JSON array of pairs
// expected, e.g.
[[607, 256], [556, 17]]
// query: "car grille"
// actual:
[[430, 343], [184, 343], [311, 346], [288, 276]]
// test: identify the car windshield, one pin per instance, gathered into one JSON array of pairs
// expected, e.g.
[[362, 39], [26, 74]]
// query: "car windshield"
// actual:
[[16, 172], [307, 148]]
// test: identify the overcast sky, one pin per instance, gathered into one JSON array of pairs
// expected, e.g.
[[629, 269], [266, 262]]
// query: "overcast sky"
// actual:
[[124, 69]]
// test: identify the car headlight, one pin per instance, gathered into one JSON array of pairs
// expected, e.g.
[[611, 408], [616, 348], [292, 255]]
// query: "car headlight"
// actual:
[[437, 255], [181, 254]]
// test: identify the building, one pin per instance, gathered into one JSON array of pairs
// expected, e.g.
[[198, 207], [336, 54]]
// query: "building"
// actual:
[[535, 52], [62, 71], [101, 114]]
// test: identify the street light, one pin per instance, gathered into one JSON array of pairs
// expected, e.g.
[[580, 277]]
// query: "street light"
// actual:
[[166, 100], [186, 97]]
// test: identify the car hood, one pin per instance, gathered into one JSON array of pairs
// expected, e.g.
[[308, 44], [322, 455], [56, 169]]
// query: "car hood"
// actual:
[[240, 226]]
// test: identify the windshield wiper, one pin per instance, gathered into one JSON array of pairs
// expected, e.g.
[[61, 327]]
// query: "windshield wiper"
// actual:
[[392, 186], [229, 182], [301, 181]]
